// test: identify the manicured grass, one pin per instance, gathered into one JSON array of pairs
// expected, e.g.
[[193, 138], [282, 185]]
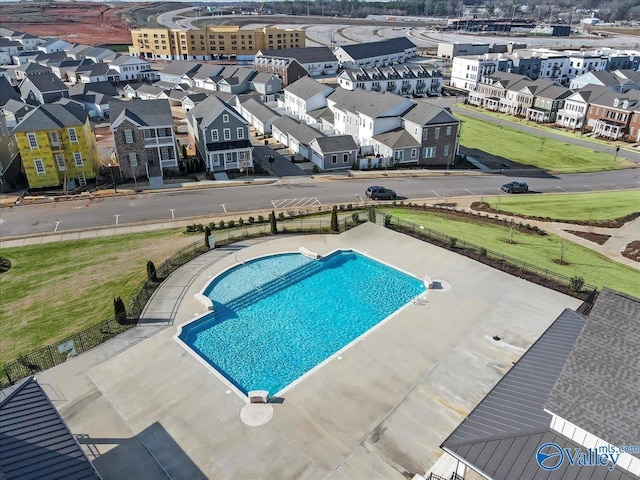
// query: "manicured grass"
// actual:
[[574, 206], [535, 249], [57, 289], [535, 150]]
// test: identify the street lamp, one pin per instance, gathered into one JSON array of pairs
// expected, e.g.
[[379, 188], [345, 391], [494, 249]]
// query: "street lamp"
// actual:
[[616, 155]]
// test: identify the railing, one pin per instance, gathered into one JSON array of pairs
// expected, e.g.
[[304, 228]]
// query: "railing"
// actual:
[[507, 264], [58, 352]]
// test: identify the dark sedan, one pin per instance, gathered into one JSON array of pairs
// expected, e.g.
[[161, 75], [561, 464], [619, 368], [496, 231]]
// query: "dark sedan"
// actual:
[[515, 187], [380, 193]]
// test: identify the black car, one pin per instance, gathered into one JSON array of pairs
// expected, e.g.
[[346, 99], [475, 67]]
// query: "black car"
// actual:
[[515, 187], [380, 193]]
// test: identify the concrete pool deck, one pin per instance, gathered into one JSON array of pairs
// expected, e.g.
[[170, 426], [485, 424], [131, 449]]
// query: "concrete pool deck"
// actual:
[[145, 408]]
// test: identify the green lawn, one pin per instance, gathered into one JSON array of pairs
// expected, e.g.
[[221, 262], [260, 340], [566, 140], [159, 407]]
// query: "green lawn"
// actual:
[[574, 206], [56, 289], [535, 150], [535, 249]]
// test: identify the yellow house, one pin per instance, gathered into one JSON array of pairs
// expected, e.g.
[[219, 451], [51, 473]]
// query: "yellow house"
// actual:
[[56, 143]]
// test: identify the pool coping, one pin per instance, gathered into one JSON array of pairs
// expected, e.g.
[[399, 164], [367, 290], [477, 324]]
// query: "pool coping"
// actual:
[[200, 296]]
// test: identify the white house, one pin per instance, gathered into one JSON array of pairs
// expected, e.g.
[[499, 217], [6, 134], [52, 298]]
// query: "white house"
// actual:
[[575, 106], [304, 95], [468, 71], [258, 115], [133, 68], [54, 45], [376, 54], [401, 79]]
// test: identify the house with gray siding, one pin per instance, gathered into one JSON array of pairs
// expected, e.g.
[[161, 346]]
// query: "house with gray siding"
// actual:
[[266, 84], [144, 139], [220, 135], [40, 89], [258, 115], [333, 153]]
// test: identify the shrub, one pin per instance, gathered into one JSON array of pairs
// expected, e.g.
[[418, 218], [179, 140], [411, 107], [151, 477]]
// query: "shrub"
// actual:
[[5, 264], [212, 225], [402, 203], [349, 206], [207, 234], [483, 252], [151, 271], [576, 283], [281, 216], [355, 217], [251, 220], [241, 221], [274, 225], [334, 219], [341, 207], [119, 311], [387, 220], [231, 223], [372, 214], [394, 204], [221, 224], [453, 242], [315, 169], [260, 219]]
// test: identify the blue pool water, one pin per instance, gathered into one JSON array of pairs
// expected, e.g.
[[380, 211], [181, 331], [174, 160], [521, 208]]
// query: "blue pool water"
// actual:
[[277, 317]]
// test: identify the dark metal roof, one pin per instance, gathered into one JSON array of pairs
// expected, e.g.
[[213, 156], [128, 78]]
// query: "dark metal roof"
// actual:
[[599, 387], [376, 49], [35, 443]]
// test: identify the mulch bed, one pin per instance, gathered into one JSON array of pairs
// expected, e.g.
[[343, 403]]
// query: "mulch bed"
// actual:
[[615, 223], [632, 251], [598, 238]]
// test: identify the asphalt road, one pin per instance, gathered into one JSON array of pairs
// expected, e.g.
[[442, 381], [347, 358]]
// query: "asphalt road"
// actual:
[[286, 194]]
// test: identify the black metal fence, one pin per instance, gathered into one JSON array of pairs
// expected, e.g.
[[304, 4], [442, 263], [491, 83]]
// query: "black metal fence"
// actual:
[[569, 285], [56, 353]]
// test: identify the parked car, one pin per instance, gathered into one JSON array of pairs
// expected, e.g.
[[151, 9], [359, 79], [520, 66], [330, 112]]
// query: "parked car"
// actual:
[[515, 187], [380, 193]]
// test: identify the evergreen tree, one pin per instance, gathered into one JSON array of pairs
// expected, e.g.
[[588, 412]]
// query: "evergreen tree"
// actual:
[[207, 233], [151, 271], [334, 219], [119, 311], [274, 225]]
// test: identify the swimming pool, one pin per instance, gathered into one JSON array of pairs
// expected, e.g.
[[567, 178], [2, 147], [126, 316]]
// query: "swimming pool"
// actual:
[[277, 317]]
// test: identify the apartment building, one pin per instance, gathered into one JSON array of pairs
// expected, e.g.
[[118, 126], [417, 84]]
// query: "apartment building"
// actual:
[[401, 79], [212, 43]]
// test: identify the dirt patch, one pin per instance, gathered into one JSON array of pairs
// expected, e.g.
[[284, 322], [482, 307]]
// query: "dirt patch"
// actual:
[[598, 238], [632, 251], [614, 223], [86, 23]]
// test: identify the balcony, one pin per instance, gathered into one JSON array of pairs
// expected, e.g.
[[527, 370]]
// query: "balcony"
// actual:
[[57, 146], [158, 141]]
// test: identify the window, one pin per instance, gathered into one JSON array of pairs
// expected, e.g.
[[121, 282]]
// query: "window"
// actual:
[[227, 133], [164, 153], [414, 152], [133, 159], [425, 134], [240, 133], [446, 151], [398, 155], [72, 135], [77, 157], [128, 135], [225, 118], [33, 141], [345, 158], [449, 130], [60, 162], [437, 133], [334, 159], [39, 166], [55, 139], [214, 135], [429, 152]]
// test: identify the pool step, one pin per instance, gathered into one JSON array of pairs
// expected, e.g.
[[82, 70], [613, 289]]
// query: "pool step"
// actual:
[[274, 286]]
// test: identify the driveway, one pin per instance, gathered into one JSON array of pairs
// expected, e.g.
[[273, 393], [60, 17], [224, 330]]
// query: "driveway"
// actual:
[[281, 167]]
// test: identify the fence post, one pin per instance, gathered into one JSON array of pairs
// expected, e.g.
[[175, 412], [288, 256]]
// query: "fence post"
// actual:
[[50, 355]]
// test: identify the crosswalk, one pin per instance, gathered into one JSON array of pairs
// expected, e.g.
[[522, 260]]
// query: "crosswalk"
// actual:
[[295, 202]]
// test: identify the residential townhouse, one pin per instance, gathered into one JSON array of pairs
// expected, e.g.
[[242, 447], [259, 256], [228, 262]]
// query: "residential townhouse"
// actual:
[[609, 115], [57, 145], [212, 42], [634, 126], [316, 61], [9, 48], [401, 79], [95, 72], [258, 115], [295, 135], [51, 45], [547, 102], [173, 71], [29, 42], [220, 136], [553, 402], [94, 97], [14, 111], [10, 167], [333, 153], [617, 80], [304, 95], [133, 69], [144, 139], [493, 88], [267, 85], [41, 89], [376, 54], [25, 70], [520, 96], [574, 112], [288, 70], [468, 71], [585, 61]]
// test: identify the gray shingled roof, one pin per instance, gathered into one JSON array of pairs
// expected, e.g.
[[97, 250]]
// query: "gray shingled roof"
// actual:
[[425, 113], [209, 109], [599, 387], [306, 87], [302, 132], [179, 67], [302, 55], [608, 99], [52, 116], [397, 138], [337, 143], [143, 112], [371, 104], [7, 92], [35, 443], [259, 110], [374, 49]]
